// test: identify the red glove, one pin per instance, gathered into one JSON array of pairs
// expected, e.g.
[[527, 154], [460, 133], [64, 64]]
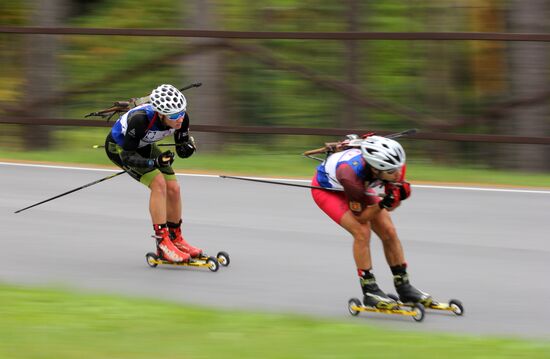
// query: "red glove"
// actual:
[[404, 190], [392, 199]]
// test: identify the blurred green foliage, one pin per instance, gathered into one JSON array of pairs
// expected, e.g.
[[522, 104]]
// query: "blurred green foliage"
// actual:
[[258, 93], [407, 83]]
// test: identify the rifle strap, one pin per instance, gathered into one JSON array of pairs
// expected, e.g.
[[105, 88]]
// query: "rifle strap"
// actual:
[[152, 122]]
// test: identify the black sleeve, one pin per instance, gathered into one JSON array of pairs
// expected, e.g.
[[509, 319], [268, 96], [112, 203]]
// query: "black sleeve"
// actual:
[[182, 135], [184, 146], [137, 126]]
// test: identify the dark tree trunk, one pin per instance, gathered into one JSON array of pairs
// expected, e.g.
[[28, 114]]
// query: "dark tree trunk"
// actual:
[[529, 76], [351, 116], [206, 104], [440, 99], [42, 70]]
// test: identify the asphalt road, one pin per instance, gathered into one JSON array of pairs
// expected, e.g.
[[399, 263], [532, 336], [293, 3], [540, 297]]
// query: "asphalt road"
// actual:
[[487, 248]]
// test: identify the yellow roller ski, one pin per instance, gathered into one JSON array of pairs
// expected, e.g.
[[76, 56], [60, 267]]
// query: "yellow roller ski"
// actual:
[[212, 263], [416, 311], [454, 305]]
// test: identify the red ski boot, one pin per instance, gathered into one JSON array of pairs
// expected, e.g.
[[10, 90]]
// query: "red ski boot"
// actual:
[[166, 249], [181, 244]]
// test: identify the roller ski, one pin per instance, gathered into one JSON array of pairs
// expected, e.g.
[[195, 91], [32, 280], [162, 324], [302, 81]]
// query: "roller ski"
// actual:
[[416, 310], [376, 301], [171, 251], [212, 263], [194, 252], [454, 305], [408, 295]]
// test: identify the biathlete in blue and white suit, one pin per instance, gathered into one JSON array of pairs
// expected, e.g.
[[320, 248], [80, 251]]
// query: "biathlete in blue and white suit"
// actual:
[[358, 210], [131, 146]]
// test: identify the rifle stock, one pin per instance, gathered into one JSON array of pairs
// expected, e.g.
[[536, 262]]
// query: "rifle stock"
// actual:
[[123, 106], [331, 147]]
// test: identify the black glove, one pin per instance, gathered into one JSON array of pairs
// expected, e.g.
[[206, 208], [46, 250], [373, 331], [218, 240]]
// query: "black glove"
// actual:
[[165, 159], [186, 149]]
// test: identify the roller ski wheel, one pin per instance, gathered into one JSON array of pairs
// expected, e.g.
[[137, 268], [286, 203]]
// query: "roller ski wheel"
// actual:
[[416, 311], [153, 260], [353, 306], [456, 307], [420, 312], [213, 264], [223, 258]]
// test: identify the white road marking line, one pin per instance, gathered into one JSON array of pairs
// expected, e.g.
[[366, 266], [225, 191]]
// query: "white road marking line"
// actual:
[[460, 188]]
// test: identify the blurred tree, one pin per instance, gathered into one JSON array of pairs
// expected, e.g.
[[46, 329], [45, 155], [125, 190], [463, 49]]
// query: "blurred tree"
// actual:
[[433, 85], [206, 67], [441, 99], [529, 77], [487, 68], [488, 57], [352, 14], [83, 7], [12, 14], [42, 69]]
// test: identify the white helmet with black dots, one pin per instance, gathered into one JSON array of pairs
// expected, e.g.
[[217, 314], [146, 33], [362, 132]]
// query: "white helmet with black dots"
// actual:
[[167, 100]]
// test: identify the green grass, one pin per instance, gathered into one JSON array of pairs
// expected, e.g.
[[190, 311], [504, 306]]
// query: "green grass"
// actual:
[[457, 174], [242, 159], [47, 323]]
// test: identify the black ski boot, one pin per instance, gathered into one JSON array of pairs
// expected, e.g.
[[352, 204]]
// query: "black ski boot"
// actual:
[[409, 294], [373, 296]]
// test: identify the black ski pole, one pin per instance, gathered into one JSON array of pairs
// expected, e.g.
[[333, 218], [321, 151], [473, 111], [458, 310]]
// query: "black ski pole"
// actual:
[[195, 84], [290, 184], [158, 144], [73, 190], [408, 132]]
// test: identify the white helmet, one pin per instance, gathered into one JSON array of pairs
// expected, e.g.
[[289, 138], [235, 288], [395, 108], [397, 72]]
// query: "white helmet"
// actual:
[[382, 153], [167, 100]]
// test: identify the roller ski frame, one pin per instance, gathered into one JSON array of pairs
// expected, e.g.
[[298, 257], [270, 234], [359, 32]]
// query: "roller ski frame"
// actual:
[[416, 311], [454, 305], [212, 263]]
